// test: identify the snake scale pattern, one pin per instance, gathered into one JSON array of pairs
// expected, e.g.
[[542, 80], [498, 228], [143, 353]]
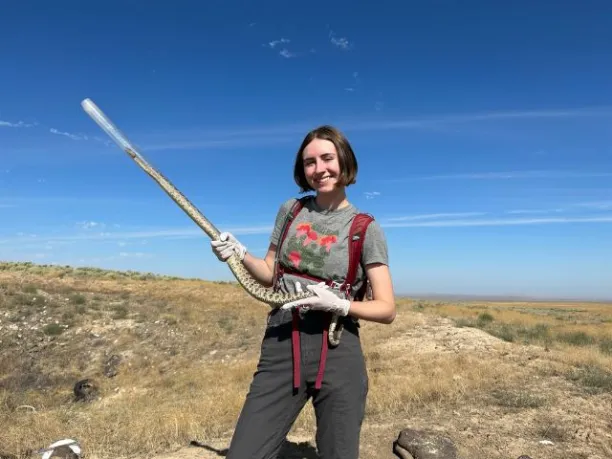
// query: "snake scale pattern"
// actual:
[[266, 295]]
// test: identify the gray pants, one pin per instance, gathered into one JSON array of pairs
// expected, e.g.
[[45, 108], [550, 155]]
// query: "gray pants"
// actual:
[[272, 404]]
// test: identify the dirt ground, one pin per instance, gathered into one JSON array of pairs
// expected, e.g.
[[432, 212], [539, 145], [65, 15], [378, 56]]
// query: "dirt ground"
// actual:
[[494, 399], [574, 424]]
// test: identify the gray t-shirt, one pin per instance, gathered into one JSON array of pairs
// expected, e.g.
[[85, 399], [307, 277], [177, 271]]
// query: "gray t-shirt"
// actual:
[[317, 244]]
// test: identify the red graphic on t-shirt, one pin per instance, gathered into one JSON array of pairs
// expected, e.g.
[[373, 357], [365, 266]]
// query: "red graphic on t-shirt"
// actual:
[[328, 241], [302, 228], [295, 258], [309, 247]]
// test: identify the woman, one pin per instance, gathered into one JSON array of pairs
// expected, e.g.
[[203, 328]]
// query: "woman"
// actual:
[[315, 249]]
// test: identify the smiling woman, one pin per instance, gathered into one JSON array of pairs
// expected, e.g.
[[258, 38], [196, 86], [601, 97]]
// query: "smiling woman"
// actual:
[[310, 245], [325, 160]]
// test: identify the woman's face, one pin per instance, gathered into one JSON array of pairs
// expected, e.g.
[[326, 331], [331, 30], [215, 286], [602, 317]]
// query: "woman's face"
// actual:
[[321, 165]]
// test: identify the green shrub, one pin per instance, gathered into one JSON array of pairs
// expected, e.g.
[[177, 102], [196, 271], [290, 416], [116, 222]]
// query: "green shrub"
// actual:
[[484, 318], [579, 338], [53, 329]]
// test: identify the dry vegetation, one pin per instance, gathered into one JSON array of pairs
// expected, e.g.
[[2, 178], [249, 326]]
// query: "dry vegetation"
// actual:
[[172, 359]]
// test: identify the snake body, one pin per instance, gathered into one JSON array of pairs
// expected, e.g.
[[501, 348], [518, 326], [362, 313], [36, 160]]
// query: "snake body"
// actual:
[[266, 295]]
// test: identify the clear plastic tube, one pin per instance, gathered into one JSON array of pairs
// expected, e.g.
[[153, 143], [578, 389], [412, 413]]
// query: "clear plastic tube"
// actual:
[[107, 126]]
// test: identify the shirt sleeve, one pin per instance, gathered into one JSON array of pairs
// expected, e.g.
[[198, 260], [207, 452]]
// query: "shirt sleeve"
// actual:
[[375, 248]]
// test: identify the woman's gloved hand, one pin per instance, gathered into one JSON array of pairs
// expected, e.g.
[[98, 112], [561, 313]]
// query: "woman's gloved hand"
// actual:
[[226, 246], [324, 300]]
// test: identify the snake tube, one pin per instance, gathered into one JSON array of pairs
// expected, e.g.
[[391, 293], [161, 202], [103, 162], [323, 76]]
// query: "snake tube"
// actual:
[[244, 278]]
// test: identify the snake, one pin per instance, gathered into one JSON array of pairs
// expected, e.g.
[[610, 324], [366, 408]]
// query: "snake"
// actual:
[[272, 297]]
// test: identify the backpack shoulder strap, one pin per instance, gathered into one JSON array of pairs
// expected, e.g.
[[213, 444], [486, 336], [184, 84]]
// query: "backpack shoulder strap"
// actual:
[[293, 212], [357, 234]]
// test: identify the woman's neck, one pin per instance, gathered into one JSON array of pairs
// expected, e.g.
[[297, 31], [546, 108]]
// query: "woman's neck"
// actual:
[[332, 201]]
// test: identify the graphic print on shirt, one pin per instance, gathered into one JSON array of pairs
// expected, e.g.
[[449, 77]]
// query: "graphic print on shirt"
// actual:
[[308, 249]]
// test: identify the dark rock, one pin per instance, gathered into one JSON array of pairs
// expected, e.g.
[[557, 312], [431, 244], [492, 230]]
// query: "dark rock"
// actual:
[[64, 452], [422, 444], [85, 390]]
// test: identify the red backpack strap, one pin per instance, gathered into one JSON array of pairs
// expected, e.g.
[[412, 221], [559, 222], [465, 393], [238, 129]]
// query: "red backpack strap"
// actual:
[[278, 271], [293, 212], [357, 235]]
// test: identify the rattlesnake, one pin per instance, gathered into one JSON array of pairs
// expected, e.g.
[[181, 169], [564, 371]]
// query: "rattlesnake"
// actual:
[[266, 295]]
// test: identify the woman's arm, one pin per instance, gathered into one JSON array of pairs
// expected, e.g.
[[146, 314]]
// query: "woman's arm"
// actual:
[[262, 269], [381, 308]]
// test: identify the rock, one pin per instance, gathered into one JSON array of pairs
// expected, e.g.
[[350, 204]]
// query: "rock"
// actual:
[[85, 390], [422, 444], [64, 452]]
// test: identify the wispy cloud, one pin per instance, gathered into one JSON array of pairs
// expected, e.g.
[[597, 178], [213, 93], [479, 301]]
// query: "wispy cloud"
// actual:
[[572, 210], [371, 194], [280, 43], [122, 236], [572, 213], [188, 233], [530, 114], [435, 216], [568, 208], [92, 231], [88, 225], [339, 42], [205, 142], [498, 222], [228, 138], [596, 205], [43, 200], [539, 174], [534, 211], [68, 134], [79, 137], [18, 124], [274, 43], [286, 53], [445, 119]]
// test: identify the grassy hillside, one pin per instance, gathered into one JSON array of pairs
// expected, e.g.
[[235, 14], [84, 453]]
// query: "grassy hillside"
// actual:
[[170, 360]]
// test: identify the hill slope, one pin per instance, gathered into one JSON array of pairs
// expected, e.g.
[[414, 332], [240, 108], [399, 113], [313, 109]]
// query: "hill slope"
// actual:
[[169, 362]]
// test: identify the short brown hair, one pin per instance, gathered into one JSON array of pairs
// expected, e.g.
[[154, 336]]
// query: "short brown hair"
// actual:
[[346, 156]]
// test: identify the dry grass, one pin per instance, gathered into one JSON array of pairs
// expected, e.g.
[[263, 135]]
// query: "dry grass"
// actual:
[[188, 355], [560, 324]]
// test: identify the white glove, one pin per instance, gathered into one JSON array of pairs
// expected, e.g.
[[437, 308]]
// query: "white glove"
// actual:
[[226, 246], [324, 300]]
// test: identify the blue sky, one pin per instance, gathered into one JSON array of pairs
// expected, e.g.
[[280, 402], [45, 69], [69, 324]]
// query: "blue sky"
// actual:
[[482, 131]]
